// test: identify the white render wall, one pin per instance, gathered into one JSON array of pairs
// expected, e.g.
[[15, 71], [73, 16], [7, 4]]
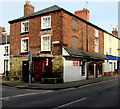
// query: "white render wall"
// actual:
[[2, 58], [72, 73], [108, 67]]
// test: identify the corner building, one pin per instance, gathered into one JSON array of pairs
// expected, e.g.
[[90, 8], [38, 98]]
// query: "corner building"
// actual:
[[63, 46]]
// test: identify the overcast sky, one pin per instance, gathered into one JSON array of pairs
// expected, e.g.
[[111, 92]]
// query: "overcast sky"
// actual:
[[103, 13]]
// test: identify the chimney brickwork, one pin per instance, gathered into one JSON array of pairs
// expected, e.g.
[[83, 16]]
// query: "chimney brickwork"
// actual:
[[115, 32], [28, 8], [83, 14]]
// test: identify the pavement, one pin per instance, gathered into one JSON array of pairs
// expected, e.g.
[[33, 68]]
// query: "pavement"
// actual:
[[39, 86]]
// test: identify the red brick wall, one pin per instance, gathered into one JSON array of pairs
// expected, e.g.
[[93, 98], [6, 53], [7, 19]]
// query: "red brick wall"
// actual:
[[61, 31], [68, 32], [35, 35]]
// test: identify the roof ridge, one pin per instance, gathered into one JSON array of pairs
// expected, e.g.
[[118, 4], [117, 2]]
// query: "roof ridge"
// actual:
[[46, 10]]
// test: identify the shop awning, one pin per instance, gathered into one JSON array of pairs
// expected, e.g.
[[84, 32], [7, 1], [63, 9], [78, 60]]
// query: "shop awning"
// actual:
[[113, 57], [84, 54]]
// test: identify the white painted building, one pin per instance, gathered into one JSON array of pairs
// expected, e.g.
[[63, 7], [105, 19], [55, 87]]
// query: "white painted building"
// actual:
[[75, 68], [111, 45], [4, 55]]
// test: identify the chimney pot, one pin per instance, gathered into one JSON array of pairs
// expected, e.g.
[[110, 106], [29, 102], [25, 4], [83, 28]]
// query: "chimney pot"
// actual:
[[115, 32]]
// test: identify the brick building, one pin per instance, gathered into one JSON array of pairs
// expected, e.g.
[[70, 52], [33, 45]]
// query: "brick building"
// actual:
[[63, 45]]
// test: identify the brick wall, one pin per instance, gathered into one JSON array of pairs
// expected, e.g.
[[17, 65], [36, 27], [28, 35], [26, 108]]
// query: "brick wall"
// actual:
[[34, 35], [68, 33], [61, 31]]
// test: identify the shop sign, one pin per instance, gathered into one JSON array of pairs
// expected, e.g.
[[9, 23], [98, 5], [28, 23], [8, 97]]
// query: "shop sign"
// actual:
[[75, 63]]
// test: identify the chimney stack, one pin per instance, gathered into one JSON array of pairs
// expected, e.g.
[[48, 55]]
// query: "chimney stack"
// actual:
[[84, 13], [2, 31], [115, 32], [28, 8]]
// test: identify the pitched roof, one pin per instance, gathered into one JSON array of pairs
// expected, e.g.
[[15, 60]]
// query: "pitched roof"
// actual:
[[44, 11], [85, 55], [55, 8]]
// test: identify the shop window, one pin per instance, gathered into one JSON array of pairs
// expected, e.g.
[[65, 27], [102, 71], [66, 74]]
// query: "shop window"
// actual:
[[83, 68]]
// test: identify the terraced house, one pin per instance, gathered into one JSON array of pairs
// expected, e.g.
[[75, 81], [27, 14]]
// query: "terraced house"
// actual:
[[112, 51], [62, 45]]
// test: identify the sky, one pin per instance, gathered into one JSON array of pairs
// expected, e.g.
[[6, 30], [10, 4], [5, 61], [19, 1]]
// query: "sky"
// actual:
[[103, 13]]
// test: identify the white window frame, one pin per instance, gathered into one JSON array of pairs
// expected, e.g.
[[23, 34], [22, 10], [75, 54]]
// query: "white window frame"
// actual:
[[23, 27], [42, 25], [96, 49], [110, 51], [6, 49], [96, 33], [42, 42], [22, 45], [110, 39]]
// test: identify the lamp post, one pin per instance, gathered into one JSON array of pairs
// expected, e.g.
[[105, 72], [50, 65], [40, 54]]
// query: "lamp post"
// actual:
[[29, 60]]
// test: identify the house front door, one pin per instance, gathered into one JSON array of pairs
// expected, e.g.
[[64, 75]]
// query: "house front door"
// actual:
[[25, 71], [42, 67], [39, 69]]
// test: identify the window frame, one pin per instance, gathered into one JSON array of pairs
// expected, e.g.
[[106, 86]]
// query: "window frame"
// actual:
[[110, 51], [95, 47], [42, 25], [42, 50], [75, 24], [96, 33], [27, 38], [23, 30], [6, 50], [110, 39]]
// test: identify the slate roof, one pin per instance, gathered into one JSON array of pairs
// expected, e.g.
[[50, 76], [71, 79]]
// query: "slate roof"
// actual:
[[85, 54]]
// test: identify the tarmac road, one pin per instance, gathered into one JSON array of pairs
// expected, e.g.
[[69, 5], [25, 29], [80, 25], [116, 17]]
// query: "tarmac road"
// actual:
[[103, 94]]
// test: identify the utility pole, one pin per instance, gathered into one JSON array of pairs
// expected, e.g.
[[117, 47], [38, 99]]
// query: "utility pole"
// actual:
[[30, 61]]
